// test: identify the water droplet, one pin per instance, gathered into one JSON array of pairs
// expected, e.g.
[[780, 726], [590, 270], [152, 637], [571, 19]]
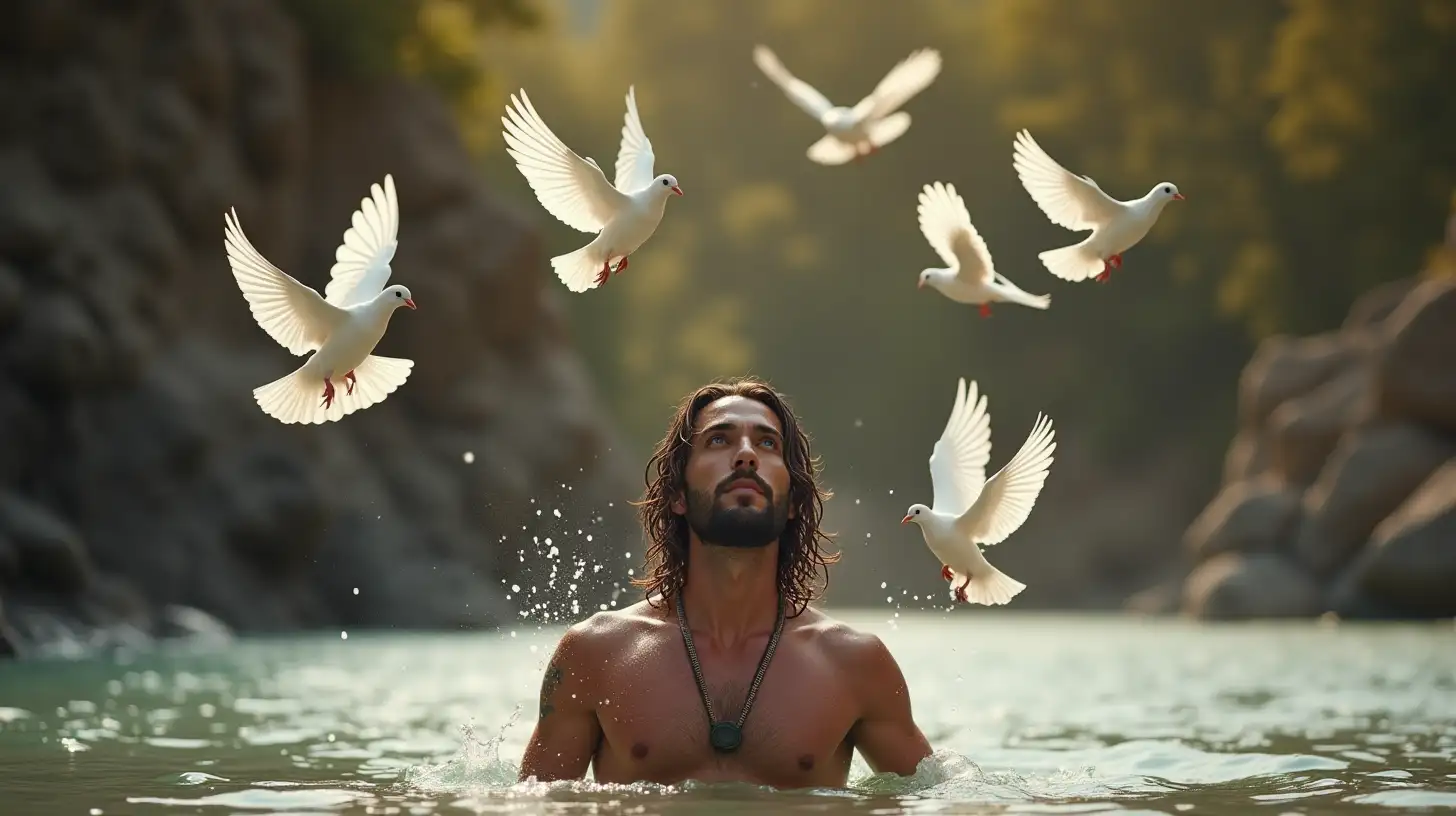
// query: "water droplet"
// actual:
[[856, 501], [356, 590], [859, 423], [892, 491], [883, 584], [343, 636], [556, 513], [515, 587], [469, 457]]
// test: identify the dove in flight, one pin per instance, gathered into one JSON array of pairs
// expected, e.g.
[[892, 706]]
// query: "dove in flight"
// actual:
[[873, 122], [969, 510], [341, 328], [971, 277], [623, 214], [1077, 203]]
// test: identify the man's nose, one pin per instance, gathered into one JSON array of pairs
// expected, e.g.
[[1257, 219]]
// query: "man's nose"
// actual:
[[747, 457]]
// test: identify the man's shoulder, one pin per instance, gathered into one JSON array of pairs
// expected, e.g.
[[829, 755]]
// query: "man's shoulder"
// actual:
[[846, 645], [610, 627]]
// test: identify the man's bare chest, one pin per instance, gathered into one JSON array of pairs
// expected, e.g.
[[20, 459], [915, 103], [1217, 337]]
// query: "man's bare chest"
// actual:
[[655, 725]]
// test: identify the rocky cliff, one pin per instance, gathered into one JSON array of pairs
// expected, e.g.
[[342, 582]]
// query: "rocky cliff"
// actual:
[[140, 485], [1339, 490]]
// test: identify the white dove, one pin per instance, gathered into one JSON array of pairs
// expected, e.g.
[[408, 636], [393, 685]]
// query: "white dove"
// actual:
[[872, 123], [1077, 203], [623, 214], [340, 329], [969, 510], [971, 276]]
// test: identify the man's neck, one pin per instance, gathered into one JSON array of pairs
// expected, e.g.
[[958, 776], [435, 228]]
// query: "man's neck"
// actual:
[[731, 593]]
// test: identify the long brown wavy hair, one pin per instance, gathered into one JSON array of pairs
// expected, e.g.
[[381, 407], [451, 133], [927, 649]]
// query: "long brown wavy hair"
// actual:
[[802, 558]]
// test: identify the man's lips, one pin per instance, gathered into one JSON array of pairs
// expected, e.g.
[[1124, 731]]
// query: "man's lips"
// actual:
[[743, 484]]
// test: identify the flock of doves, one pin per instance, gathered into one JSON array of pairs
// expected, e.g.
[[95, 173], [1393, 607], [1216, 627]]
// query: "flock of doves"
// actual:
[[343, 326]]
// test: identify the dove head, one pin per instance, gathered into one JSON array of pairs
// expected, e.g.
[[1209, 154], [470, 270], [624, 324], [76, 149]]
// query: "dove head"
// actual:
[[1166, 191], [398, 296], [917, 514], [932, 278], [667, 183]]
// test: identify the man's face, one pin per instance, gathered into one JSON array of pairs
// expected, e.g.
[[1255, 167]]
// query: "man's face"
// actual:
[[737, 480]]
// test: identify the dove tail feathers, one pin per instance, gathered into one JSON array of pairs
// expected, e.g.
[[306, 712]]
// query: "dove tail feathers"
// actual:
[[579, 269], [1071, 263], [297, 398], [1028, 299], [993, 588], [830, 150]]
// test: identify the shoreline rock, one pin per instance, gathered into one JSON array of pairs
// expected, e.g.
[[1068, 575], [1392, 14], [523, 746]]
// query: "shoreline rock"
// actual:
[[1339, 489], [139, 479]]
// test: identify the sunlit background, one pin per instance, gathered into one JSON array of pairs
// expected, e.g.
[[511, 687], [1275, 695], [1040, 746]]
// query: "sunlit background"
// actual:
[[1314, 141], [1255, 416]]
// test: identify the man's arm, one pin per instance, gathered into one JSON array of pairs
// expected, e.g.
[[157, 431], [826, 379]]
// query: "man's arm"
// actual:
[[886, 734], [567, 730]]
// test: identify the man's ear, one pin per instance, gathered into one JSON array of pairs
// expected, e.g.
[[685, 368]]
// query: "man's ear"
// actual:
[[678, 505]]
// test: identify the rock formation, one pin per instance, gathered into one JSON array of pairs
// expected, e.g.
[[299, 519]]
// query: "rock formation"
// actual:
[[1340, 487], [139, 482]]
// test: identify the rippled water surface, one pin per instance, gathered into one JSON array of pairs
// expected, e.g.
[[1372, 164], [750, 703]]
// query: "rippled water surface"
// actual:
[[1029, 713]]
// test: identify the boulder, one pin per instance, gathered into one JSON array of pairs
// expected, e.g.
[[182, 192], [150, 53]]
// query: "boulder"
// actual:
[[142, 491], [1371, 309], [1304, 431], [1410, 564], [1246, 517], [1283, 368], [1159, 599], [1233, 585], [1415, 377], [50, 556], [1369, 475], [1247, 457]]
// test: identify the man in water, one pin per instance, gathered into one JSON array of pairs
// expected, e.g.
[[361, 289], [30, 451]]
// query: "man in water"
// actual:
[[722, 672]]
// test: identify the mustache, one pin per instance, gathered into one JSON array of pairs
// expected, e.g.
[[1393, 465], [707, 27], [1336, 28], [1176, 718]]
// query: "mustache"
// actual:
[[744, 475]]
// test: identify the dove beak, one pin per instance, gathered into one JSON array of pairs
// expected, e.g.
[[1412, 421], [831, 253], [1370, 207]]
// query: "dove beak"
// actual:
[[677, 189], [1178, 196], [920, 284], [905, 520], [410, 302]]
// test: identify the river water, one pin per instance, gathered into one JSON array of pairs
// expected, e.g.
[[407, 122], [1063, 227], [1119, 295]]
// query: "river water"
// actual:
[[1029, 713]]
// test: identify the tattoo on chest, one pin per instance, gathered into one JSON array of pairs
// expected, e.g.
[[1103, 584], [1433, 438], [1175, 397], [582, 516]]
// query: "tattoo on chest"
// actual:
[[548, 687]]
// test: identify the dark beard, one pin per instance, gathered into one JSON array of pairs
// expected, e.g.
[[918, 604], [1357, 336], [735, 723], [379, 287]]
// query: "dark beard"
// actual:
[[738, 527]]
